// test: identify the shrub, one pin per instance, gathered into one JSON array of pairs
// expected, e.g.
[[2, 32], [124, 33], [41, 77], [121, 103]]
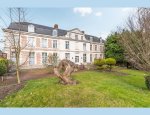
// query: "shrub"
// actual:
[[5, 61], [147, 82], [99, 62], [110, 62], [3, 68]]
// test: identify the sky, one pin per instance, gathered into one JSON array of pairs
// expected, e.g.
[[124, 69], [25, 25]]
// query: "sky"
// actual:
[[94, 21]]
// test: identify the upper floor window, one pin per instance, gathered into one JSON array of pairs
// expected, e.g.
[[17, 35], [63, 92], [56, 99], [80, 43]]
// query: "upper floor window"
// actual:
[[81, 37], [54, 43], [95, 47], [14, 41], [67, 44], [31, 28], [84, 46], [90, 47], [76, 37], [101, 48], [44, 43], [13, 56], [55, 33], [31, 42]]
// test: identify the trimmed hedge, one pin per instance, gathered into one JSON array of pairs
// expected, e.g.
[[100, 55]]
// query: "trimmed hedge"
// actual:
[[99, 62], [110, 62], [105, 63]]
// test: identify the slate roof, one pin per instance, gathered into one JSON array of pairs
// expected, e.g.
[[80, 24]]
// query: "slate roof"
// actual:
[[41, 29]]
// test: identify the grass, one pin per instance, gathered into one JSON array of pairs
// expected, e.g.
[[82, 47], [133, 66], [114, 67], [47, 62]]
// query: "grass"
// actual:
[[124, 88]]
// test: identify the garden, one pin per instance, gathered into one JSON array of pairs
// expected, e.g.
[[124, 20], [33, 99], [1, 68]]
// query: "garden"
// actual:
[[104, 86], [119, 88]]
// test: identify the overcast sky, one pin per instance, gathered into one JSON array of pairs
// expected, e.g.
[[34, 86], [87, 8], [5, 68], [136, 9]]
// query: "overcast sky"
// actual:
[[94, 21]]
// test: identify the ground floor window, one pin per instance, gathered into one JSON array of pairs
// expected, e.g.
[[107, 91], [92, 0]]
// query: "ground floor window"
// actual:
[[13, 56], [84, 57], [31, 58], [76, 59], [95, 56], [90, 57], [55, 58], [44, 58], [67, 56], [101, 56]]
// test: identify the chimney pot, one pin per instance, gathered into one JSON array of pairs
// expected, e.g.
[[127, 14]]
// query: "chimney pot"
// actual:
[[56, 26]]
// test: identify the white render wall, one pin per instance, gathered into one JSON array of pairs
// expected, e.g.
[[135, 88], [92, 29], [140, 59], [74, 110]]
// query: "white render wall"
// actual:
[[75, 48]]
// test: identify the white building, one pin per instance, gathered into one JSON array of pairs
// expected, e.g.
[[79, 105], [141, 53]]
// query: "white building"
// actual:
[[41, 41]]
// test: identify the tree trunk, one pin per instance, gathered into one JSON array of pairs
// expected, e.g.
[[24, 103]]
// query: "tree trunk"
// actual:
[[18, 76], [65, 77]]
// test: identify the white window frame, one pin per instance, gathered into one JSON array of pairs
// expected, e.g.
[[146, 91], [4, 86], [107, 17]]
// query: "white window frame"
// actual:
[[91, 58], [44, 44], [84, 46], [76, 59], [44, 57], [29, 44], [55, 44], [67, 56], [84, 58], [95, 47], [32, 58], [31, 28], [55, 33], [67, 44], [76, 37]]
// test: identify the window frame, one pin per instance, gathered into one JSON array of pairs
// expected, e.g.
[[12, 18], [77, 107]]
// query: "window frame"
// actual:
[[55, 44], [76, 59], [44, 44], [67, 44], [44, 57], [32, 58], [84, 58]]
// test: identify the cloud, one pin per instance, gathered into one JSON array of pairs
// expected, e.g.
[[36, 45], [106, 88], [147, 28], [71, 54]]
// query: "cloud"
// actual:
[[126, 9], [104, 35], [98, 14], [83, 10]]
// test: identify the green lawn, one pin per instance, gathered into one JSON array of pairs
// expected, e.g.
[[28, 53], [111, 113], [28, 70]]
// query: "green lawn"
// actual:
[[96, 89]]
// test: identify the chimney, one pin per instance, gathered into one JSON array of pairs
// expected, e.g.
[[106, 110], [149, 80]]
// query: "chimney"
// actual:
[[83, 32], [56, 26]]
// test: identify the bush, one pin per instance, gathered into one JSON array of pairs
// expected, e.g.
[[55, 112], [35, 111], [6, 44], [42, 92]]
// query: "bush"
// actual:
[[99, 62], [110, 62], [3, 68], [147, 82], [5, 61]]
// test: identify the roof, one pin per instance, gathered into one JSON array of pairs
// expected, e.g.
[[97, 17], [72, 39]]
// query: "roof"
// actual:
[[41, 29]]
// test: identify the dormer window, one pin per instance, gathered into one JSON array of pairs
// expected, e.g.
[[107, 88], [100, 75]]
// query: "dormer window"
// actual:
[[31, 28], [91, 39], [54, 32], [76, 37]]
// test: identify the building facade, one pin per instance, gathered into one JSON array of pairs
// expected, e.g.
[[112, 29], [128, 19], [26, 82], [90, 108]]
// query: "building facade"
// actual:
[[40, 41]]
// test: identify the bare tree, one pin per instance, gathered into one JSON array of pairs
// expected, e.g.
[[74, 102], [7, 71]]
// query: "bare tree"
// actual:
[[13, 37], [135, 38]]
